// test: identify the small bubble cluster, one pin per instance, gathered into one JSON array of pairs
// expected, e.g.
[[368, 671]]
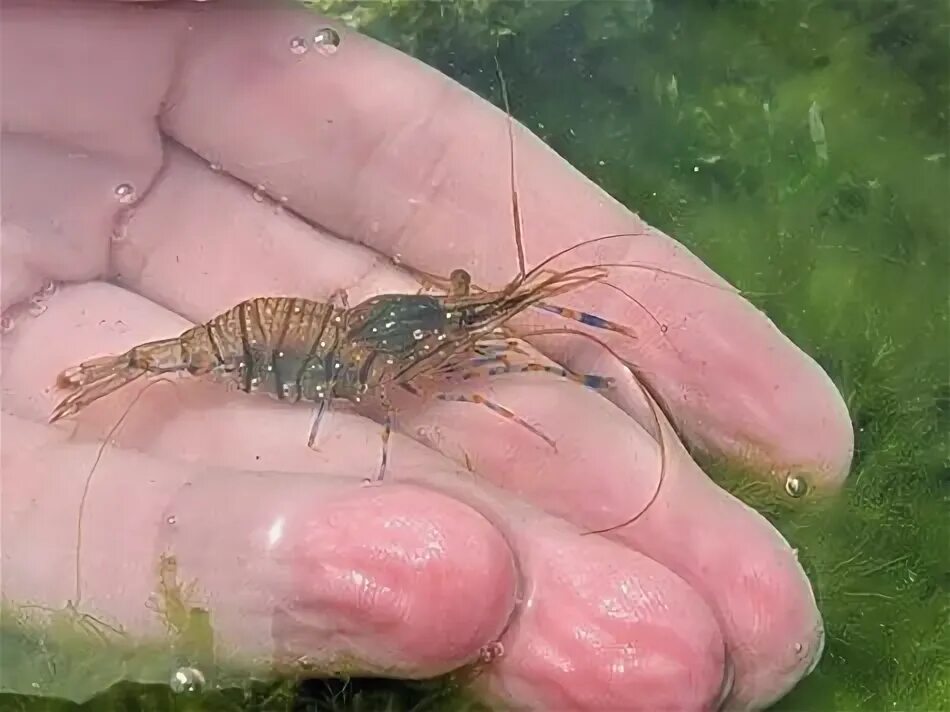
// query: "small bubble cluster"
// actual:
[[491, 652], [326, 41], [37, 304], [187, 680]]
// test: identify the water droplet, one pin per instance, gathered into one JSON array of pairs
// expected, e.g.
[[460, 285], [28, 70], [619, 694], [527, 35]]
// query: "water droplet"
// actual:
[[187, 679], [298, 45], [125, 193], [216, 167], [171, 519], [327, 40], [258, 193], [796, 486], [491, 652], [6, 324], [417, 334]]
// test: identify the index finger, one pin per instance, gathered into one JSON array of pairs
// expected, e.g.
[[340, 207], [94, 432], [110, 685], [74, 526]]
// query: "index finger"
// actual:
[[377, 147]]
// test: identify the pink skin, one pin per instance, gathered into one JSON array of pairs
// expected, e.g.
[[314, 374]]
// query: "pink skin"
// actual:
[[415, 576]]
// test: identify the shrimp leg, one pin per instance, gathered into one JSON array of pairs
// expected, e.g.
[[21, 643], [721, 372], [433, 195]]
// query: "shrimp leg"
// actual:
[[387, 431], [322, 407], [501, 410], [497, 408]]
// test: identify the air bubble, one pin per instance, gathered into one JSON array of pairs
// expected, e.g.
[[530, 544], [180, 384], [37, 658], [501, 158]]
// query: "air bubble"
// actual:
[[417, 334], [187, 679], [796, 486], [366, 482], [491, 652], [37, 306], [327, 40], [47, 290], [799, 647], [125, 193], [258, 193], [215, 167], [397, 259], [170, 519], [6, 324], [298, 45]]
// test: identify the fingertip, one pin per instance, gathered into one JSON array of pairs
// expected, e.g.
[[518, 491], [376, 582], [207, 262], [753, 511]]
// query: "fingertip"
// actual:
[[404, 578], [607, 628]]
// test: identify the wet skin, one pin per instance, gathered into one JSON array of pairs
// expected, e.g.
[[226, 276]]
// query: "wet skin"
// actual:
[[194, 106]]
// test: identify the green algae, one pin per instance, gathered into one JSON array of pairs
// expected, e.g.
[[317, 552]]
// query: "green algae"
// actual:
[[800, 147]]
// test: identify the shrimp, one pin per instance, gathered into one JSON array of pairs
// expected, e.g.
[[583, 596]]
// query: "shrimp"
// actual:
[[292, 349], [296, 350]]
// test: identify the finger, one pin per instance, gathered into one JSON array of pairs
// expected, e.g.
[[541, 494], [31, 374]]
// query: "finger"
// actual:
[[375, 146], [394, 580], [658, 646], [769, 613], [605, 472]]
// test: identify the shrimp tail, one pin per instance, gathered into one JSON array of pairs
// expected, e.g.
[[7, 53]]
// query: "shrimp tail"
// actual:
[[98, 377]]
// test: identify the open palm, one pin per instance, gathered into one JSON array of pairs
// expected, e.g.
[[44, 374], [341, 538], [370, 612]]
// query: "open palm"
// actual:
[[162, 163]]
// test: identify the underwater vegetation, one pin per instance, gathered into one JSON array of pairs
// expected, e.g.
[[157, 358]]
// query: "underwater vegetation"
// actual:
[[800, 148]]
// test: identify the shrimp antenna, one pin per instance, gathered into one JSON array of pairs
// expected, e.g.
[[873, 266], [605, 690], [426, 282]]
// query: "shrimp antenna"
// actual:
[[92, 470], [515, 205], [661, 442], [651, 402]]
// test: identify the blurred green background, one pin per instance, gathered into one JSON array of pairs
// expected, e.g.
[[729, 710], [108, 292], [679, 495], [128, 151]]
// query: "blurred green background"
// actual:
[[800, 147]]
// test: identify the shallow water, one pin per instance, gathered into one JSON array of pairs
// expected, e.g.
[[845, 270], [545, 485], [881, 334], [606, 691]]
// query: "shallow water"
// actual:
[[800, 148]]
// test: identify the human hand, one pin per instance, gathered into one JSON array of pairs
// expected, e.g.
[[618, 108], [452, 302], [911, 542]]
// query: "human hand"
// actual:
[[233, 148]]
